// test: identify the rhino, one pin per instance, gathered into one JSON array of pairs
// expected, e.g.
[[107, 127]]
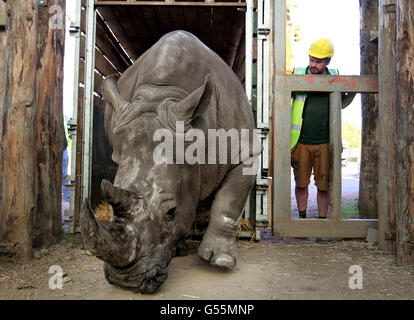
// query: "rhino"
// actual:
[[154, 205]]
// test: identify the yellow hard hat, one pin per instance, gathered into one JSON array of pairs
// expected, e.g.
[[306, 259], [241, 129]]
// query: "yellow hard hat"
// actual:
[[321, 49]]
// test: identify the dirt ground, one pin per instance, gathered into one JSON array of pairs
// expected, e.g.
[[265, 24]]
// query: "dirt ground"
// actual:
[[284, 269]]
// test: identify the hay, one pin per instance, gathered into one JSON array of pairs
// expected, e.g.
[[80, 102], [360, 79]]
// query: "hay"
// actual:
[[103, 212], [244, 225]]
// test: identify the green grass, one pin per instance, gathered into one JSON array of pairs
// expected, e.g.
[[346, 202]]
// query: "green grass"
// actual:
[[350, 210]]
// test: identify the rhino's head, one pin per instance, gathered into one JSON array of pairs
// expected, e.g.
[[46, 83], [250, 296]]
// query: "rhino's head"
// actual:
[[153, 205]]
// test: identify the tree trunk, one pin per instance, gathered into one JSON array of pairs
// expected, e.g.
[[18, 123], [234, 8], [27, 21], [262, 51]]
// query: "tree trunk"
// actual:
[[2, 72], [368, 183], [49, 127], [405, 131], [18, 118], [387, 183]]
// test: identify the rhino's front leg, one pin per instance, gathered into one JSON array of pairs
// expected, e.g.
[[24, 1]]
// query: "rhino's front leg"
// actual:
[[219, 242]]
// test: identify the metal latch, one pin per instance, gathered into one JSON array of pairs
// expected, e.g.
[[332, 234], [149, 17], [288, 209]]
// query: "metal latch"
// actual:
[[72, 125]]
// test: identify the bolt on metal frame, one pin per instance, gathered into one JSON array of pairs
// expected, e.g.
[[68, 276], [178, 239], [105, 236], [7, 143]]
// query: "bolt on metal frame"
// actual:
[[283, 86]]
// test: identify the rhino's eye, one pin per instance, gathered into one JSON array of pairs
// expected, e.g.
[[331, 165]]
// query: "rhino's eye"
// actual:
[[171, 214]]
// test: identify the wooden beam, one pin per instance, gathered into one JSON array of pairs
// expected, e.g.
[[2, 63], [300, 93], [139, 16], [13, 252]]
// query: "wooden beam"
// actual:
[[335, 107], [2, 15], [405, 132], [352, 228], [387, 179], [2, 94], [327, 83], [49, 138], [368, 173], [170, 4]]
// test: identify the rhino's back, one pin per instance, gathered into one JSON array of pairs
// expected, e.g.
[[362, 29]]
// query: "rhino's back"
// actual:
[[180, 59]]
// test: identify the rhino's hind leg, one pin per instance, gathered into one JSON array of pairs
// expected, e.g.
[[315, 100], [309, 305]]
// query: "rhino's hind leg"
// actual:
[[219, 242]]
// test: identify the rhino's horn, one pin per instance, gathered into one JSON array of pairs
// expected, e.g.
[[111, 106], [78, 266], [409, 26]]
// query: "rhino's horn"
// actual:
[[114, 244], [111, 94], [121, 200]]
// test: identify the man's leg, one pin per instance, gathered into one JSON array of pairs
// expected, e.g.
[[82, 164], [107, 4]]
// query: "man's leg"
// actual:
[[302, 198], [323, 203], [322, 167], [302, 167]]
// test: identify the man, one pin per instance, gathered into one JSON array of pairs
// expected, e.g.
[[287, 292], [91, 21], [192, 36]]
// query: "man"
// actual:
[[310, 132]]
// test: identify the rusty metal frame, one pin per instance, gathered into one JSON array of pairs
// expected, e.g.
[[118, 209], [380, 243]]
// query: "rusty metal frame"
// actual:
[[283, 86]]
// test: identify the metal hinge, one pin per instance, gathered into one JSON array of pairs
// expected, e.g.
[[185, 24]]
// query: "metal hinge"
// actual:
[[74, 28], [263, 32], [390, 8]]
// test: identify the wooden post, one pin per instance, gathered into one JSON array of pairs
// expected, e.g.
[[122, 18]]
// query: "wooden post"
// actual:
[[368, 180], [17, 141], [335, 106], [47, 221], [405, 131], [2, 72], [387, 183]]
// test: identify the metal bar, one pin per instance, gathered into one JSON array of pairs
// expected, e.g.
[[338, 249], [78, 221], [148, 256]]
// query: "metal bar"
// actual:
[[335, 106], [328, 83], [74, 121], [266, 65], [249, 49], [162, 3], [88, 98]]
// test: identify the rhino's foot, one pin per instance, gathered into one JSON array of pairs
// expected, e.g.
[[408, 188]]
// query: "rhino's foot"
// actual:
[[218, 251]]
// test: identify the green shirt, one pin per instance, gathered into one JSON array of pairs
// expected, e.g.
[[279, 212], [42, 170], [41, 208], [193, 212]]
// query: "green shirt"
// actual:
[[315, 125]]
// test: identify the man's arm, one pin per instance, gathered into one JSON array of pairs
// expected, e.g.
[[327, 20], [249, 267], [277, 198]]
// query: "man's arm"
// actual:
[[347, 99]]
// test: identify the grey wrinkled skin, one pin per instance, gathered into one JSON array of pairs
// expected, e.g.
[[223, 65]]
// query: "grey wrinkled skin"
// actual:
[[153, 205]]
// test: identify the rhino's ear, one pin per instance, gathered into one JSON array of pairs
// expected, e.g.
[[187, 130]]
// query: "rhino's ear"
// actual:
[[186, 108], [170, 111]]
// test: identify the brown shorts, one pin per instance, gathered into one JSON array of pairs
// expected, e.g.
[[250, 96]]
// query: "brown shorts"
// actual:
[[306, 156]]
